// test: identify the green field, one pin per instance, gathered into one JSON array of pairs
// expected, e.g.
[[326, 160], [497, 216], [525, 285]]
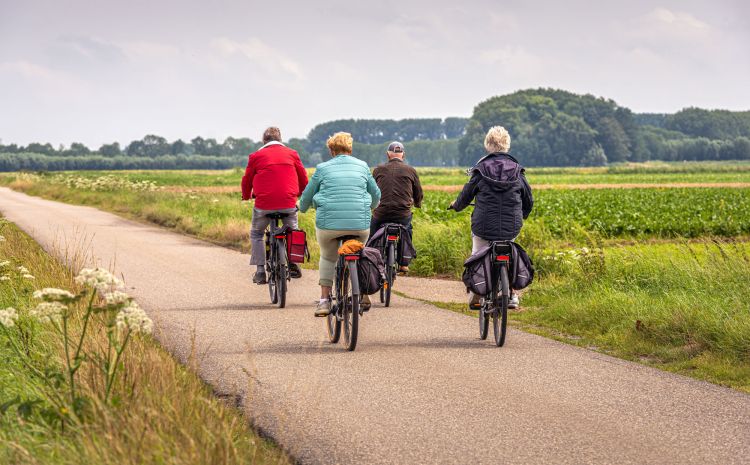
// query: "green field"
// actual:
[[607, 258]]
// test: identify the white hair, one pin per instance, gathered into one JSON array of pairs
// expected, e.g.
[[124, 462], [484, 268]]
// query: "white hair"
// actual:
[[497, 140]]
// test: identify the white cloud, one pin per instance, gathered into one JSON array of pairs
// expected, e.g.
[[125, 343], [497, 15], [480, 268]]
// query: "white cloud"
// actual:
[[271, 61], [665, 24], [513, 60]]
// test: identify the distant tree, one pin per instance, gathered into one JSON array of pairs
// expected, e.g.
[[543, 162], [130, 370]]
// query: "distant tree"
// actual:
[[44, 149], [179, 147], [110, 150]]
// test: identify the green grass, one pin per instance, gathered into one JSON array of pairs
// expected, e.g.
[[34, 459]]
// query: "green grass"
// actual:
[[164, 413]]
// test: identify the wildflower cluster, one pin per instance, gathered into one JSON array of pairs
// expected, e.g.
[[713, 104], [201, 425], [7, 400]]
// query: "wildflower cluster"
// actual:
[[132, 318], [53, 295], [49, 312], [8, 317], [4, 264], [109, 182], [98, 278]]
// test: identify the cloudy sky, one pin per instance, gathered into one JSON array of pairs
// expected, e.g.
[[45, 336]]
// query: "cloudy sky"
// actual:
[[96, 71]]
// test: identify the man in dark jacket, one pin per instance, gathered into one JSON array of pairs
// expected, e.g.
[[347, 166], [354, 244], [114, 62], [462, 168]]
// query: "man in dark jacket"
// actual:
[[501, 194], [400, 190], [275, 178]]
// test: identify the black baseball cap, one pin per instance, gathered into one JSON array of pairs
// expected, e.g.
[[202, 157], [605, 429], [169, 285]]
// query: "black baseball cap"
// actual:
[[396, 147]]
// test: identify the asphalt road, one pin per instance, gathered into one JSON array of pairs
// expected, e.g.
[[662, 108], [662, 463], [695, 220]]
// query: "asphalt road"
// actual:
[[420, 388]]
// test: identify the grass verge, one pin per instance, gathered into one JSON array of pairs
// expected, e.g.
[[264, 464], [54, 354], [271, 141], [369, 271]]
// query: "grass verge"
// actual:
[[164, 413]]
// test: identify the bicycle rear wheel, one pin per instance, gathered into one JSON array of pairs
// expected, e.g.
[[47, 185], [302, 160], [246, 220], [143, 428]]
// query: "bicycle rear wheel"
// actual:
[[389, 273], [272, 285], [350, 307], [281, 282], [500, 315]]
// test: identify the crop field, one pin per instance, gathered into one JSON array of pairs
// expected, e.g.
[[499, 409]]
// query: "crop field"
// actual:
[[656, 274]]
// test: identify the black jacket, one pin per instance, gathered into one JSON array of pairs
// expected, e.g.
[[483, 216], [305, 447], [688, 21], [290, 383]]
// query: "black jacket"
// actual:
[[503, 197]]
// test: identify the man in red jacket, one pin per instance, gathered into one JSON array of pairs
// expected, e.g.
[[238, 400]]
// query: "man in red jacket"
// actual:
[[275, 178]]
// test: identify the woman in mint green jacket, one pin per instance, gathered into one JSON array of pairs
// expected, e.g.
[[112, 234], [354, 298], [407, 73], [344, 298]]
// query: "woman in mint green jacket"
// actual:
[[343, 193]]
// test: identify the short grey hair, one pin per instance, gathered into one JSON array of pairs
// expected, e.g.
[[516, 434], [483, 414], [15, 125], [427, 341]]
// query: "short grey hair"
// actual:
[[497, 140]]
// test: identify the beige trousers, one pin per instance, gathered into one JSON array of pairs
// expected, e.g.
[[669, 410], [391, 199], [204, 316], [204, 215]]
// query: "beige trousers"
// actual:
[[329, 250]]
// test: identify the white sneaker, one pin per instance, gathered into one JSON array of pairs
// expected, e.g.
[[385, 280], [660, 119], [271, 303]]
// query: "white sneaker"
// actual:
[[514, 302], [323, 308]]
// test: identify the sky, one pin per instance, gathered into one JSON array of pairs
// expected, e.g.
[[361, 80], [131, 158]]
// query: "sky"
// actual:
[[98, 71]]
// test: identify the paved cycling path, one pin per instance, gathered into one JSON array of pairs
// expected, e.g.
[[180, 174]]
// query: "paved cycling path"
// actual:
[[420, 388]]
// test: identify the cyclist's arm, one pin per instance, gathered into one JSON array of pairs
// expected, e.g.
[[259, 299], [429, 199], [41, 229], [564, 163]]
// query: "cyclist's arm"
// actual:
[[527, 199], [417, 193], [301, 174], [373, 189], [305, 200], [247, 179], [468, 193]]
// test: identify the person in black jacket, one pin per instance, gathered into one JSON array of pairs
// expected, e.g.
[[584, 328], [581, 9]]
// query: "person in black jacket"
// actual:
[[501, 195]]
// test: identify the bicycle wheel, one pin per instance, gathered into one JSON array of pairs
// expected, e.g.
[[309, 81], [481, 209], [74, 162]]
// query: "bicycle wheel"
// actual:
[[350, 308], [333, 325], [389, 273], [282, 272], [484, 324], [500, 315]]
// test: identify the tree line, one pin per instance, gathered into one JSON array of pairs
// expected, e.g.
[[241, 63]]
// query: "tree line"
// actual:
[[548, 127]]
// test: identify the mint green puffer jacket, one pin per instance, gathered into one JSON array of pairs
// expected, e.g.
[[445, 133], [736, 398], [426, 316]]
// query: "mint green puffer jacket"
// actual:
[[343, 192]]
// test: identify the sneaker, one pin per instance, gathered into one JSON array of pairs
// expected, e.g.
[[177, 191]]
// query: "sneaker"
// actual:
[[260, 277], [513, 303], [403, 269], [294, 271], [323, 308], [475, 303], [364, 303]]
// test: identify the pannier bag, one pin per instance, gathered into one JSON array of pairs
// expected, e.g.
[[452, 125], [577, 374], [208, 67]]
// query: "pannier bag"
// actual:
[[405, 251], [523, 268], [477, 272], [370, 271], [296, 245]]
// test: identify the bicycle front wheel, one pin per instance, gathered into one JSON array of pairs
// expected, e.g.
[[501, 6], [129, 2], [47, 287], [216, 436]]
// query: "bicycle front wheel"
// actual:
[[484, 323], [390, 273], [350, 303], [500, 315]]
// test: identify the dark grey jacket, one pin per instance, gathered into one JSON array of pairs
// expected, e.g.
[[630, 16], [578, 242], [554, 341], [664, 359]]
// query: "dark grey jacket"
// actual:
[[503, 197]]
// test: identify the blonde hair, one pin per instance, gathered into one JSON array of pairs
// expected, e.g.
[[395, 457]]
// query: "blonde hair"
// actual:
[[339, 143], [497, 140]]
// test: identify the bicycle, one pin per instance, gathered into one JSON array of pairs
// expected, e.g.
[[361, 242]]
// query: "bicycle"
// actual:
[[277, 263], [345, 299], [495, 303], [393, 235]]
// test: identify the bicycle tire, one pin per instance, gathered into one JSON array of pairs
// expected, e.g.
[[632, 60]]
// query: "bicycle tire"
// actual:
[[389, 273], [333, 325], [500, 315], [282, 272], [350, 307]]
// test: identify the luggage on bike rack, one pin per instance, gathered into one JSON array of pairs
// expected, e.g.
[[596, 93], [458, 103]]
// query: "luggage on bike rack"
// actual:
[[477, 272], [405, 251], [370, 271], [522, 273], [296, 245]]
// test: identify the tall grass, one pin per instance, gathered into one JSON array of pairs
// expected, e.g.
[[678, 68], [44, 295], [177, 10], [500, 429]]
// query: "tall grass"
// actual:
[[684, 307], [162, 413]]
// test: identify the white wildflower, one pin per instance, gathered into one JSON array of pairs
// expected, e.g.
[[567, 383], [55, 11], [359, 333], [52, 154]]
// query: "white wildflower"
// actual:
[[116, 298], [2, 238], [4, 263], [23, 270], [214, 200], [134, 318], [4, 278], [50, 294], [48, 311], [8, 317], [28, 276], [98, 278]]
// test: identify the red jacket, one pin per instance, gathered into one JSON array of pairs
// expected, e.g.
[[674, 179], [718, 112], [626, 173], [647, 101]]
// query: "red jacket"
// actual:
[[275, 177]]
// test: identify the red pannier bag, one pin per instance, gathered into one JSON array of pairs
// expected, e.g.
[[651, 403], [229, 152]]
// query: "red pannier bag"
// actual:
[[296, 245]]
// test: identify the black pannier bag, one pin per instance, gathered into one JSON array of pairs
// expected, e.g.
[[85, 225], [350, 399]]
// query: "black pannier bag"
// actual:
[[477, 272], [370, 271], [404, 249], [523, 268]]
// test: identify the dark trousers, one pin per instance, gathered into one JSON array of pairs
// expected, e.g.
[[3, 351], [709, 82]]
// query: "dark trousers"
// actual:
[[376, 223]]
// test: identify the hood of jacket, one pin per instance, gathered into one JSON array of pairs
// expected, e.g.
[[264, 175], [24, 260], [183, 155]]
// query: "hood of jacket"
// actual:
[[499, 171]]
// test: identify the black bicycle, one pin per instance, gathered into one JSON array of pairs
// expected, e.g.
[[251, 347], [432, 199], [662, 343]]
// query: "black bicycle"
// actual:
[[495, 303], [277, 262], [345, 299], [392, 236]]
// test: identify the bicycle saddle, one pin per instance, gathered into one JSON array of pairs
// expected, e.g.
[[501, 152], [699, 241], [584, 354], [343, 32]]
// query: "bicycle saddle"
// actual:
[[277, 215]]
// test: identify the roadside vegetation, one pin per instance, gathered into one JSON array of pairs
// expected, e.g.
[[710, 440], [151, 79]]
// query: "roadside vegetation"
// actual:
[[81, 381], [656, 275]]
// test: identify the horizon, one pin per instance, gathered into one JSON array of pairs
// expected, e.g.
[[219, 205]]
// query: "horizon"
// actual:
[[70, 74]]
